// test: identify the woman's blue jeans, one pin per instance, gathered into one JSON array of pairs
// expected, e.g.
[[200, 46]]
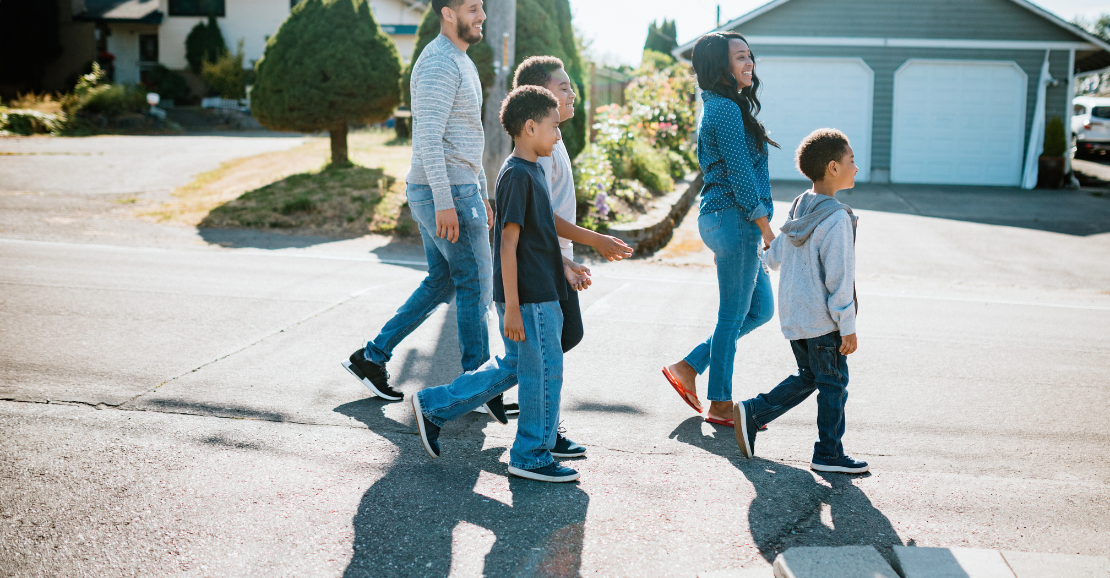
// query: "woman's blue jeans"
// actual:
[[538, 364], [746, 297], [461, 270]]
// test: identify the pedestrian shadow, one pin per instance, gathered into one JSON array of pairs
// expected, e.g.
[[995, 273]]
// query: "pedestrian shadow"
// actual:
[[406, 521], [796, 507]]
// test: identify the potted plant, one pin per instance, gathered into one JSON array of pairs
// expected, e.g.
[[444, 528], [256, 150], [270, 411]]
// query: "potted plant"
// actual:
[[1052, 163]]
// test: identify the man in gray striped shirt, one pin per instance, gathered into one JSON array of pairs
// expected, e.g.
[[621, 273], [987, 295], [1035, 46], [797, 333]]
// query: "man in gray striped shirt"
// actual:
[[447, 196]]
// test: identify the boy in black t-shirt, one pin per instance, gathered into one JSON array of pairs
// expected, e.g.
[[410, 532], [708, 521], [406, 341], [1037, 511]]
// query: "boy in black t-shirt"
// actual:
[[528, 282]]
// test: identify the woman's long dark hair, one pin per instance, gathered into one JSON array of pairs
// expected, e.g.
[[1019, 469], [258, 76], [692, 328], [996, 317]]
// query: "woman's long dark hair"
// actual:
[[711, 65]]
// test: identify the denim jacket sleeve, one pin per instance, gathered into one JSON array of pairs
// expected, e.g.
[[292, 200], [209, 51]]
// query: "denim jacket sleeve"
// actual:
[[732, 144]]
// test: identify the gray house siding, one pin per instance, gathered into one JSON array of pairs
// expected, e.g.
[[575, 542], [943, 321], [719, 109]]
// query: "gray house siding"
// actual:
[[886, 61], [964, 19]]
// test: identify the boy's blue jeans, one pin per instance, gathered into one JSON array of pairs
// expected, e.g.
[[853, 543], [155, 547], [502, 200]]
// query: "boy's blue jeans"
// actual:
[[537, 362], [821, 367], [463, 270], [746, 297]]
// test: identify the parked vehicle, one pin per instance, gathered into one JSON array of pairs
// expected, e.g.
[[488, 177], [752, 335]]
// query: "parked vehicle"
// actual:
[[1090, 126]]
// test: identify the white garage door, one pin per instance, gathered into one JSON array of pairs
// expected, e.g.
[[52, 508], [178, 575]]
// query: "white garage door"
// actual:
[[800, 95], [958, 122]]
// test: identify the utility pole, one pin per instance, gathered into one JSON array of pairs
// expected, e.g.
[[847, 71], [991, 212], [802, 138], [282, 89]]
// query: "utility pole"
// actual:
[[500, 34]]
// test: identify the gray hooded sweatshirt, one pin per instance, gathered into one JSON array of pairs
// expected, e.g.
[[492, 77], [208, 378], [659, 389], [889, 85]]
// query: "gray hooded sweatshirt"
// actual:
[[817, 257]]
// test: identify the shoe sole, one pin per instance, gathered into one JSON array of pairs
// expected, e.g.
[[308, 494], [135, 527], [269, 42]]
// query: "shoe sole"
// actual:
[[839, 469], [740, 418], [419, 415], [485, 406], [578, 455], [482, 409], [350, 367], [541, 478]]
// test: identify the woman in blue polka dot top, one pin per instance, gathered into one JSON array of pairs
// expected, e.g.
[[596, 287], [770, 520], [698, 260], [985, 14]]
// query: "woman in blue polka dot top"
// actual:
[[734, 220]]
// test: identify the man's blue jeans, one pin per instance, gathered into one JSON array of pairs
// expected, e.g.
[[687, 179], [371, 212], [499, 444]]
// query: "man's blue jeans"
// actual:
[[746, 297], [538, 364], [463, 270], [821, 367]]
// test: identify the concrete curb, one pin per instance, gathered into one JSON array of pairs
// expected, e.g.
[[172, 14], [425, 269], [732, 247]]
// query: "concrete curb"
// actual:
[[652, 231], [832, 562]]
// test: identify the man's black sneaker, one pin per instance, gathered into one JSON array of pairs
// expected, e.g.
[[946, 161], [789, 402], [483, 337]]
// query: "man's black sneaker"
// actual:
[[564, 448], [552, 472], [495, 407], [844, 465], [372, 375], [429, 432], [745, 428]]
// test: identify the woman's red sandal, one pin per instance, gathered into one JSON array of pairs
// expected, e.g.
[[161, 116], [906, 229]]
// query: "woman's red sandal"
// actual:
[[682, 391]]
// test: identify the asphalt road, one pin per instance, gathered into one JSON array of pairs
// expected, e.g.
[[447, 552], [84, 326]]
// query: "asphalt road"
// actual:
[[180, 409]]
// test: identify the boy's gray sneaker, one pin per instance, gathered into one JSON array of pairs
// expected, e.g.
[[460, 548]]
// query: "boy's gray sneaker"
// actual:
[[429, 432], [564, 448], [745, 428], [372, 375], [552, 472], [844, 465]]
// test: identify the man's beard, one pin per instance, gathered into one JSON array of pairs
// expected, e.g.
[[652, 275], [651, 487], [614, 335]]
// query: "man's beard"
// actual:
[[466, 34]]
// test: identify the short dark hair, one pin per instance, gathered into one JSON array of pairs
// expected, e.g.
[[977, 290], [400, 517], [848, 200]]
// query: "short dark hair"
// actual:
[[536, 71], [523, 104], [817, 150], [439, 5]]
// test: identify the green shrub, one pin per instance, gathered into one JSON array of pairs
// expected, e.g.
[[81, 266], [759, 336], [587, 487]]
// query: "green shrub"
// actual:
[[226, 75], [205, 43], [653, 60], [298, 204], [661, 103], [615, 134], [1055, 143], [676, 163], [327, 66], [650, 167], [28, 122], [168, 84], [593, 182], [116, 99]]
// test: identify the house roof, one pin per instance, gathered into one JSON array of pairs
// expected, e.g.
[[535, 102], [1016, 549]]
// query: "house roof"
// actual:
[[142, 11], [1095, 55]]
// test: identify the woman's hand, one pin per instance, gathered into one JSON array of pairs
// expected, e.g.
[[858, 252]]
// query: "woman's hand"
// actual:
[[765, 230]]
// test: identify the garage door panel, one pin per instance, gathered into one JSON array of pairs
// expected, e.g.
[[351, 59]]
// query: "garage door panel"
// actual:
[[958, 122], [800, 95]]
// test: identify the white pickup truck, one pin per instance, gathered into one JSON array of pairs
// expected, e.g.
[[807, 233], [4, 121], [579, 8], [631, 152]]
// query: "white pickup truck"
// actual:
[[1090, 127]]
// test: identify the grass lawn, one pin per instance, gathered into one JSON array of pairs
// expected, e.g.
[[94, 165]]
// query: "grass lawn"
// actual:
[[295, 192]]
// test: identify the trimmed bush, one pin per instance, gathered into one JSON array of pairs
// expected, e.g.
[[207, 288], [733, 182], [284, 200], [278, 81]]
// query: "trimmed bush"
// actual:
[[327, 66], [226, 75], [168, 84], [205, 43]]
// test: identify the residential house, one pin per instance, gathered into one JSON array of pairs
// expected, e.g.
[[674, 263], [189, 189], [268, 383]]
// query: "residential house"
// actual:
[[142, 33], [928, 91]]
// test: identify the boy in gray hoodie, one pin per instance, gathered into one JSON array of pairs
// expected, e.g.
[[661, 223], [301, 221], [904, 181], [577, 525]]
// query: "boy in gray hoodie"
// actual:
[[817, 303]]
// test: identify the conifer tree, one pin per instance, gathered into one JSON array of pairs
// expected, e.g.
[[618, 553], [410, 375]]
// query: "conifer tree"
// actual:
[[328, 65]]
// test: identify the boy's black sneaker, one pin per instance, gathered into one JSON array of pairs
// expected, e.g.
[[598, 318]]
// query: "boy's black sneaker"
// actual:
[[510, 408], [564, 448], [745, 428], [372, 375], [495, 407], [552, 472], [429, 432], [844, 465]]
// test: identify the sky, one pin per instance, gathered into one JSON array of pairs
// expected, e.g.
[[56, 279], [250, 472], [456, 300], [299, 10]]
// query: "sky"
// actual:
[[615, 29]]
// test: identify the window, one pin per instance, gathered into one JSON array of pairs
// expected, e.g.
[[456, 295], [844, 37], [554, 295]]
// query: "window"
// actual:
[[148, 48], [196, 7], [1079, 110], [1101, 111]]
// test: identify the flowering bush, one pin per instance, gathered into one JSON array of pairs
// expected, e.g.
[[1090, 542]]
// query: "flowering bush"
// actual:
[[593, 182], [662, 107]]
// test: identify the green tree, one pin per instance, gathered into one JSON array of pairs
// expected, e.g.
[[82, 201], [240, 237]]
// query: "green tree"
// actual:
[[226, 75], [205, 43], [328, 65], [662, 38], [543, 27]]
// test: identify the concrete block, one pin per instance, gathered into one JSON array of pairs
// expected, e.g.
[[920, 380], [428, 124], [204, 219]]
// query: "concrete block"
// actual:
[[838, 562], [1034, 565], [914, 562]]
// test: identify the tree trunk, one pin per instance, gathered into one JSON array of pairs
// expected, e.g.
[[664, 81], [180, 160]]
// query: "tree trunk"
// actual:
[[339, 146], [500, 19]]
